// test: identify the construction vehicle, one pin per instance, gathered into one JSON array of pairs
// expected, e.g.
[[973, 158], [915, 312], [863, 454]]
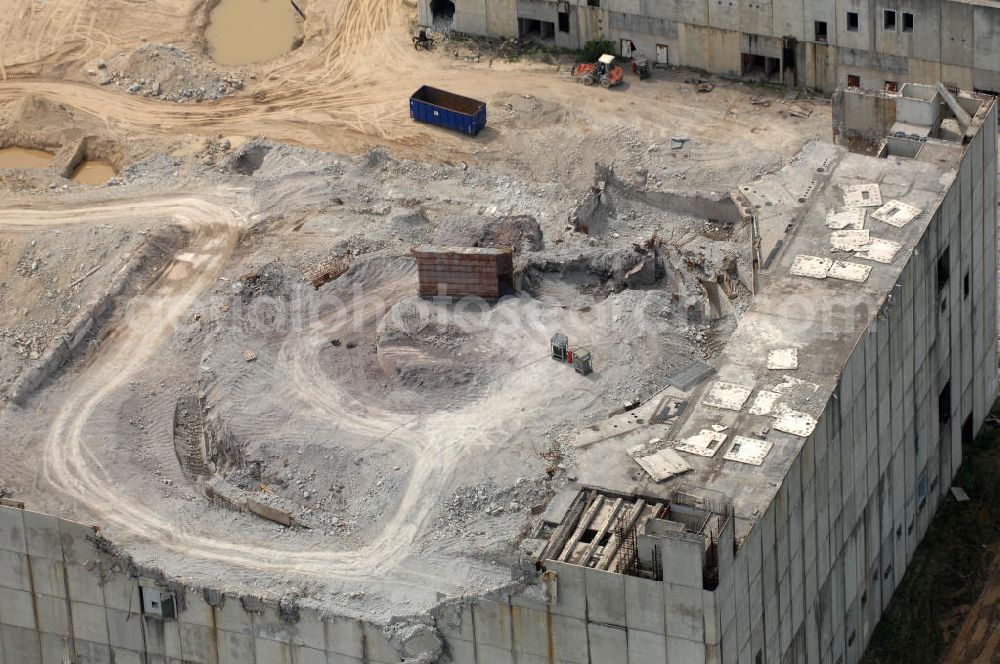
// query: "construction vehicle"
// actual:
[[422, 40], [579, 358], [640, 66], [605, 71]]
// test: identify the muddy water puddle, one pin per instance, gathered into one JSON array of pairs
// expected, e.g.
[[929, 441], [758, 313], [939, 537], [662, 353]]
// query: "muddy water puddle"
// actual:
[[244, 31], [93, 172], [24, 158]]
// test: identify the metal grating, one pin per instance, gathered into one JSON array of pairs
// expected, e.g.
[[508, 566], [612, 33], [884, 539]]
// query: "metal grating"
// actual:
[[691, 375]]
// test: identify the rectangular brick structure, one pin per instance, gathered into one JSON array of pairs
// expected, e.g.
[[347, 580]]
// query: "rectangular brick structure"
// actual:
[[464, 271]]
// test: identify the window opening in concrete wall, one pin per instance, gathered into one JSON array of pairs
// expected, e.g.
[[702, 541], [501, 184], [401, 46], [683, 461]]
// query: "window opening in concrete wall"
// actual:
[[563, 21], [761, 67], [853, 81], [891, 86], [627, 48], [907, 22], [662, 54], [944, 404], [889, 19], [759, 659], [593, 3], [965, 286], [943, 269], [530, 28], [852, 21], [819, 29], [443, 11]]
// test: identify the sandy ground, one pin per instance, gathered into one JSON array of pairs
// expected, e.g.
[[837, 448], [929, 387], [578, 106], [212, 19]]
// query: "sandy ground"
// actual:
[[414, 439]]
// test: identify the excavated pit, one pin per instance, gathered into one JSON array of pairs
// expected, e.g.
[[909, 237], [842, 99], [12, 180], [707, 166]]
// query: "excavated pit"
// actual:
[[93, 172], [26, 158], [242, 32]]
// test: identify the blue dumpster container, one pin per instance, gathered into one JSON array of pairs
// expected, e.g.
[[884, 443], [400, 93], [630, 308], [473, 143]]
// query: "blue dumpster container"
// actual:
[[448, 110]]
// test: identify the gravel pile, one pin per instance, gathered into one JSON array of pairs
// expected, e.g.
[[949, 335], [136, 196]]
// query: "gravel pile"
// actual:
[[169, 73]]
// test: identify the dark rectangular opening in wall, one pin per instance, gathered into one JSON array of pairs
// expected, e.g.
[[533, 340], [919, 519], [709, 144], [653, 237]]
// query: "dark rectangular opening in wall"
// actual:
[[761, 67], [889, 19], [944, 404], [968, 433], [965, 286], [852, 21], [853, 81], [891, 86], [789, 46], [819, 29], [529, 28], [563, 21], [593, 3], [907, 22], [943, 269]]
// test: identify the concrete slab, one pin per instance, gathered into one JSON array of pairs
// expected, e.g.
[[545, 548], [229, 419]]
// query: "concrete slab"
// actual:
[[728, 396], [848, 271], [663, 464], [896, 213], [880, 251], [815, 267], [862, 195], [748, 450]]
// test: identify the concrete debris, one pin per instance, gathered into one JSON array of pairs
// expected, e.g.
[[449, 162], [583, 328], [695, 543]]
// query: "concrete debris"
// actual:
[[849, 271], [728, 396], [748, 450], [169, 73], [704, 443], [783, 358], [848, 218], [862, 195], [795, 422], [815, 267], [663, 464], [764, 403], [959, 494], [896, 213], [417, 643], [850, 240], [880, 250]]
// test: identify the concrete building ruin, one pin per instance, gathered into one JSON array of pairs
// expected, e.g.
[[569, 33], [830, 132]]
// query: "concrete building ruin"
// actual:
[[770, 522], [802, 43]]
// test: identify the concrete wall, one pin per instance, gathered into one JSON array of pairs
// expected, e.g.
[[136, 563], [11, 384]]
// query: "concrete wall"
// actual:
[[951, 40], [818, 569], [65, 598]]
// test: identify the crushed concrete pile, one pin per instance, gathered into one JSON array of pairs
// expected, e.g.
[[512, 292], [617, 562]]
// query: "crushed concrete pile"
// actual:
[[469, 505], [519, 232], [167, 72]]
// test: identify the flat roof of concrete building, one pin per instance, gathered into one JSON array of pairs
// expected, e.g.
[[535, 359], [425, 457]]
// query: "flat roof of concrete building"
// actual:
[[820, 319]]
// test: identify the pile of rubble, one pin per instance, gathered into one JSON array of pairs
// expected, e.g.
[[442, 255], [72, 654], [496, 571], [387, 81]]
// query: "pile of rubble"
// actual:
[[169, 73]]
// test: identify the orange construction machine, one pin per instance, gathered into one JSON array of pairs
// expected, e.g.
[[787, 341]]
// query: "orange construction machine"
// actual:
[[605, 71]]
